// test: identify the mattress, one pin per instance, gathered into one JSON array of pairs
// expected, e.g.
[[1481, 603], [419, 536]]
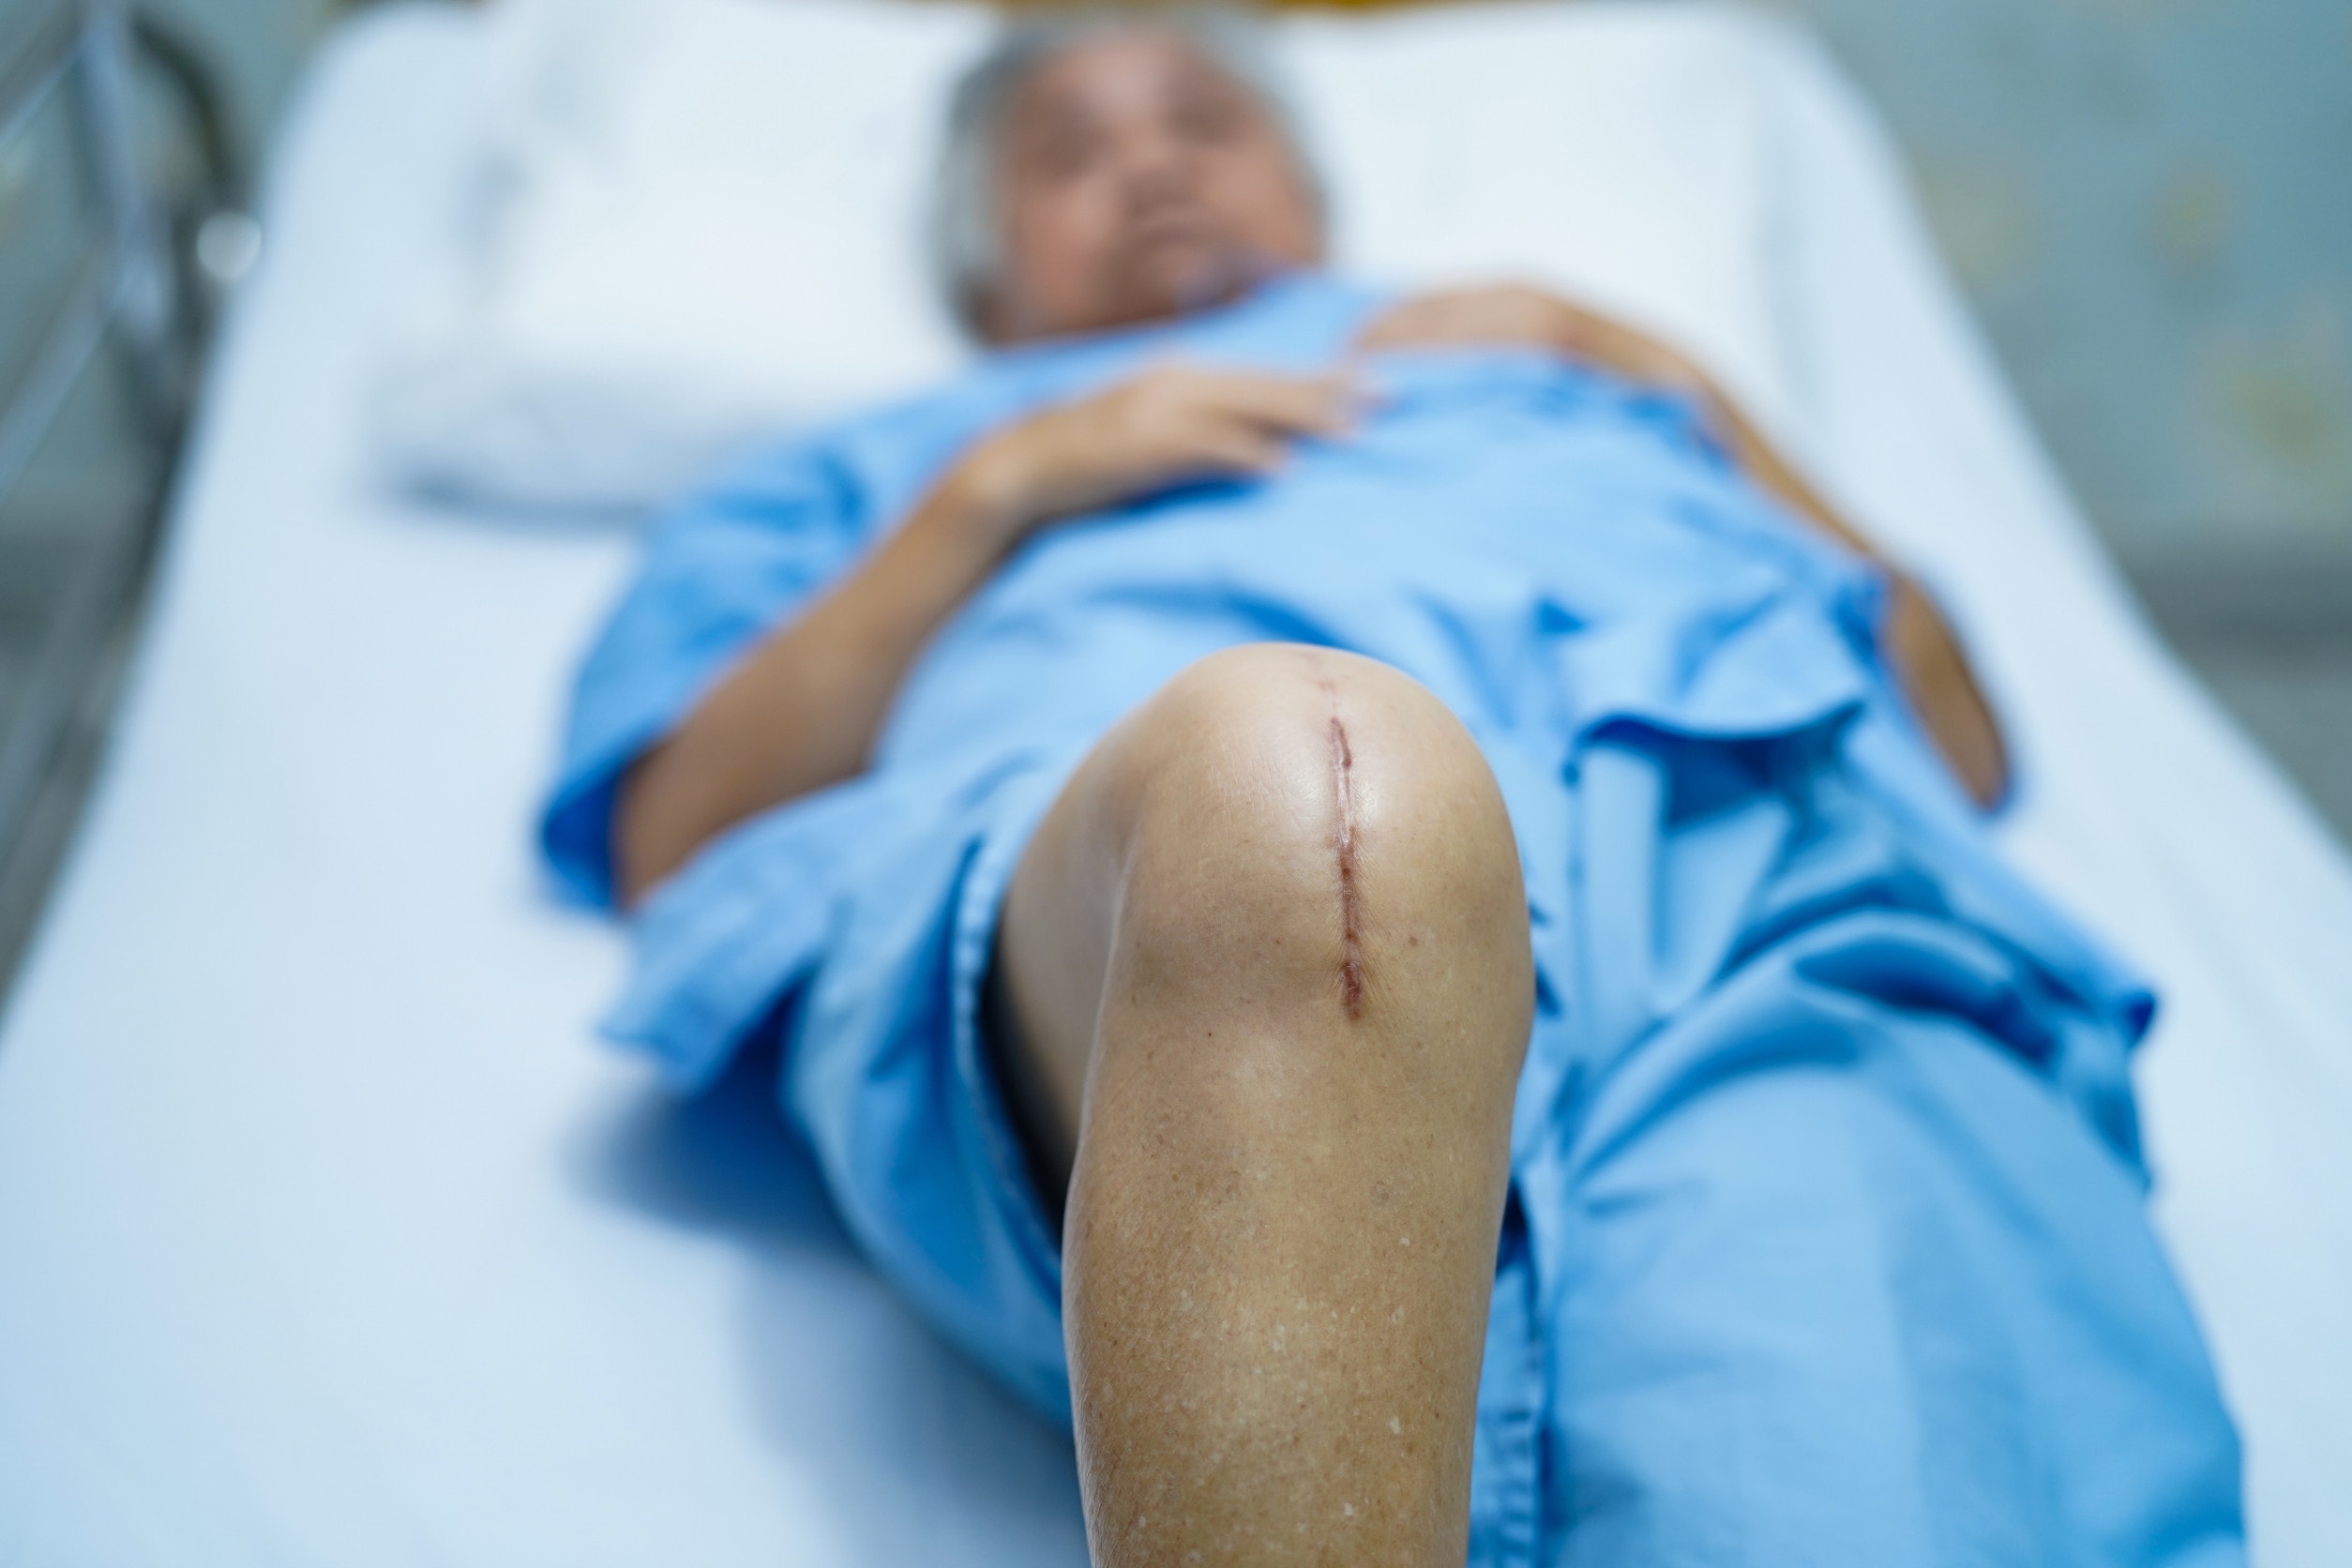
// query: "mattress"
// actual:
[[329, 1236]]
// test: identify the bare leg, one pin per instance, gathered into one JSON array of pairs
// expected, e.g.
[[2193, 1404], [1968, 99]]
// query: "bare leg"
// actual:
[[1267, 963]]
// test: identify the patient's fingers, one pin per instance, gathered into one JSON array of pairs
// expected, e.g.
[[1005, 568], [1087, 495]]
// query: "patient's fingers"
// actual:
[[1240, 449], [1517, 314], [1323, 405], [1424, 318], [1408, 323], [1171, 423], [1493, 313]]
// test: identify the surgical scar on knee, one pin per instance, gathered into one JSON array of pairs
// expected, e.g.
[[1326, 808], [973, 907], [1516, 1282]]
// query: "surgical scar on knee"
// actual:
[[1343, 768]]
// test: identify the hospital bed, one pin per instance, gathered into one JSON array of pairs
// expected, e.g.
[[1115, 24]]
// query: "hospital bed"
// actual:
[[329, 1236]]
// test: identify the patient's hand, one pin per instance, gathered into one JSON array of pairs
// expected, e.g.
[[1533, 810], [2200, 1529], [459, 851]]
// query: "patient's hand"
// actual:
[[1518, 315], [1164, 426], [1917, 645], [801, 712]]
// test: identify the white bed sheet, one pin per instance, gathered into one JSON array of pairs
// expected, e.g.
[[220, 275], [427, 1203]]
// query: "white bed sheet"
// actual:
[[325, 1236]]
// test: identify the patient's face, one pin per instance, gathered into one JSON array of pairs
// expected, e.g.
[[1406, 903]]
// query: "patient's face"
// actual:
[[1138, 181]]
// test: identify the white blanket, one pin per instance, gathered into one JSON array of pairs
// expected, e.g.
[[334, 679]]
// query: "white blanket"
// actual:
[[327, 1234]]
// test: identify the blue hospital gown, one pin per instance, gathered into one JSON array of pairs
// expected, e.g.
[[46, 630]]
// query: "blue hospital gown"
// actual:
[[1825, 1241]]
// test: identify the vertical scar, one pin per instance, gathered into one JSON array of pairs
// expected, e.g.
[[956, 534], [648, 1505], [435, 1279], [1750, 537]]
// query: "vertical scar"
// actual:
[[1343, 768]]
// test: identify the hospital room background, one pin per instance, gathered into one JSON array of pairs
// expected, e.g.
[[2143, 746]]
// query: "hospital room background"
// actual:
[[2144, 206]]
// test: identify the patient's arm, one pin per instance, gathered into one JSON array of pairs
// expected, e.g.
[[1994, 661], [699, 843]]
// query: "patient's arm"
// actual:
[[1917, 645], [1915, 638], [803, 709]]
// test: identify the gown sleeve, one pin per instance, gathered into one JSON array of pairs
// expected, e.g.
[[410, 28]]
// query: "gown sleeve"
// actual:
[[728, 564]]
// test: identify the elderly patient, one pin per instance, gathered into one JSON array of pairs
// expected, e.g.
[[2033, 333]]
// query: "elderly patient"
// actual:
[[1371, 902]]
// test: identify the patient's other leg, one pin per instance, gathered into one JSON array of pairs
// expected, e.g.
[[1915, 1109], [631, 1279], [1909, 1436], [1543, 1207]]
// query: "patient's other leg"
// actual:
[[1267, 966]]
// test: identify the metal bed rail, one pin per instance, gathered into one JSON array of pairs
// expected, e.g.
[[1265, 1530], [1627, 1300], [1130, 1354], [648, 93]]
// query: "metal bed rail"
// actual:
[[130, 305], [83, 50]]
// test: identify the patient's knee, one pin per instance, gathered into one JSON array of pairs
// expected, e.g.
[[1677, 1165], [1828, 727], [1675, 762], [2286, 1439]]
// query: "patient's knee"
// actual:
[[1313, 824]]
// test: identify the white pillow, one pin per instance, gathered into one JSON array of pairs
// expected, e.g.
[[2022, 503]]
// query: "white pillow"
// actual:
[[702, 218]]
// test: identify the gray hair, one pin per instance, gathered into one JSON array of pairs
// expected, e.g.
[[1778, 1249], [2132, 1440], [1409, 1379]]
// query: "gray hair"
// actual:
[[966, 243]]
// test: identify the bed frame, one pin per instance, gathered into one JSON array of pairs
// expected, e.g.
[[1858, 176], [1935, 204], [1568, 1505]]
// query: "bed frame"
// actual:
[[133, 302]]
